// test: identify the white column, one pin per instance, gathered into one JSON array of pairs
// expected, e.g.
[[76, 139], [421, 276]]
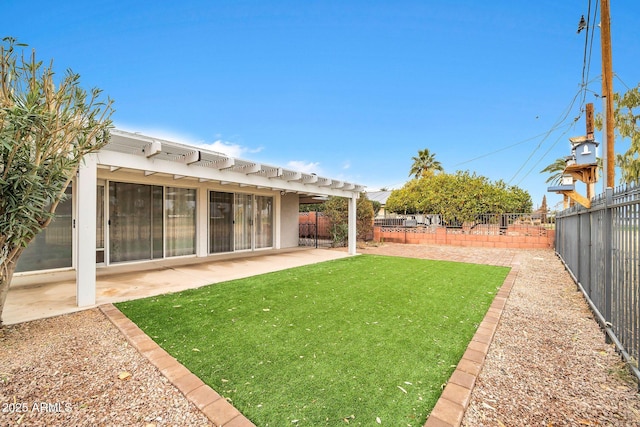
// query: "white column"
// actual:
[[352, 224], [277, 217], [202, 222], [86, 235]]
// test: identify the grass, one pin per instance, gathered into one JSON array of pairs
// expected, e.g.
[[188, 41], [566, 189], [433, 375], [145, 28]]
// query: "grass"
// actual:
[[356, 340]]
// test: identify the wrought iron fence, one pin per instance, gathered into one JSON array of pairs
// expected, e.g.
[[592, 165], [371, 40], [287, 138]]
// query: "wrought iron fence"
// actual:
[[313, 234], [481, 224], [600, 247]]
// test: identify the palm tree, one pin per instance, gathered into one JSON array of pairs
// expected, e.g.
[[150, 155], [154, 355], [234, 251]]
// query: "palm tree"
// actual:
[[425, 164], [555, 169]]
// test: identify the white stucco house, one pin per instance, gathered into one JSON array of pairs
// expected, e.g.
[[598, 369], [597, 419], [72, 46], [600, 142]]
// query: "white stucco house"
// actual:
[[142, 199]]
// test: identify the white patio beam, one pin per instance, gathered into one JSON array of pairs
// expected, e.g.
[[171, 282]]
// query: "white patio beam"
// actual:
[[292, 176], [191, 157], [151, 149], [226, 163], [310, 179], [250, 169], [274, 173]]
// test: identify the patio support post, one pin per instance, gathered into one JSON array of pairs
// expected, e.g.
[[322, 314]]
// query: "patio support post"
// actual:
[[352, 224], [85, 224], [202, 220]]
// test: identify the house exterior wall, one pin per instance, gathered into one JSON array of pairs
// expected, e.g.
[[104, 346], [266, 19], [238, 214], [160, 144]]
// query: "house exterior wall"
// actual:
[[289, 220]]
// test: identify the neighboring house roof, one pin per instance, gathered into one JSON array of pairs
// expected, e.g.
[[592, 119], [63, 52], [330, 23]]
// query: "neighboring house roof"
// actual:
[[378, 196], [154, 155]]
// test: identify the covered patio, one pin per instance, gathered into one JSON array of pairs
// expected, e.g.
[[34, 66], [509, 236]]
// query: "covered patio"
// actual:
[[142, 202], [130, 281]]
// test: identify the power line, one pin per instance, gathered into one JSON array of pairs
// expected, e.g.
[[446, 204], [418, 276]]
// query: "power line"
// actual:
[[548, 133], [588, 49], [545, 153], [506, 148]]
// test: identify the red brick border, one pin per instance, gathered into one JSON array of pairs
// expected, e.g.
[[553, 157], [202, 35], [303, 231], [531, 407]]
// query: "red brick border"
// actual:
[[453, 402], [214, 406]]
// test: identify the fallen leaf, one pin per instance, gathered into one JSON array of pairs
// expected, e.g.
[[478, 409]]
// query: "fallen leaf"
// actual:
[[403, 390], [266, 309], [124, 375], [378, 420], [195, 349], [486, 405]]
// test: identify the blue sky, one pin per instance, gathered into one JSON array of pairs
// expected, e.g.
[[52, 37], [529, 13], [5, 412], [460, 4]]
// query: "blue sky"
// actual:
[[346, 89]]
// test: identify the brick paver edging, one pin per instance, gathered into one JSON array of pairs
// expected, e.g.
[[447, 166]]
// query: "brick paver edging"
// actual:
[[214, 406], [453, 402]]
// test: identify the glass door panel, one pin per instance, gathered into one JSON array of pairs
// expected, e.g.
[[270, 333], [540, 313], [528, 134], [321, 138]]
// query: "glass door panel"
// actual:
[[220, 222], [180, 219], [52, 247], [135, 222], [264, 222], [243, 221]]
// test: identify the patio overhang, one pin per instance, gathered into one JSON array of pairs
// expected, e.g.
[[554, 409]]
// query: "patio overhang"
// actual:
[[148, 156]]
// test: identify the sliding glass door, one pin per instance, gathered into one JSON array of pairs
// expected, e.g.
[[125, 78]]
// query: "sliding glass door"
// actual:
[[220, 222], [135, 222], [239, 222]]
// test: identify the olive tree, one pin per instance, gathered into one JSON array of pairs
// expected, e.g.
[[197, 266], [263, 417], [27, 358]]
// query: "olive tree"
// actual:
[[460, 196], [337, 210], [46, 127]]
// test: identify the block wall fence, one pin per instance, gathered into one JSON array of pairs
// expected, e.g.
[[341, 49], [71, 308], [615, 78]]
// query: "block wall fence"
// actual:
[[514, 237], [519, 236]]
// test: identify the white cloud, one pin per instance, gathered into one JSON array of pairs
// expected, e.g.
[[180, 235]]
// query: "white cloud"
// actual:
[[304, 167], [228, 148], [346, 165]]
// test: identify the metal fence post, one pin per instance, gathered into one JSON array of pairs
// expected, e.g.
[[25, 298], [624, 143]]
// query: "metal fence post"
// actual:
[[608, 255]]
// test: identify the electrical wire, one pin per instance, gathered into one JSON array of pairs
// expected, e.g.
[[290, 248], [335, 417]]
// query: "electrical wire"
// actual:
[[621, 81], [588, 51], [546, 152], [558, 123], [507, 147]]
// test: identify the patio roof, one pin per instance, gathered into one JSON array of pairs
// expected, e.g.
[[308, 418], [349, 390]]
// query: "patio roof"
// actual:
[[150, 155]]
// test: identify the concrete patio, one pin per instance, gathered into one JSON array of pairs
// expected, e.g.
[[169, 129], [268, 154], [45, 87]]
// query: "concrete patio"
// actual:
[[132, 281]]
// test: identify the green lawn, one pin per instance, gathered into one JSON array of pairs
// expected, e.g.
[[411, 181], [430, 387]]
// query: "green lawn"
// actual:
[[366, 340]]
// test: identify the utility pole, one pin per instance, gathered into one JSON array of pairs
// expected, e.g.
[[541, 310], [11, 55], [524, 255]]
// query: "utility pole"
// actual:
[[607, 93]]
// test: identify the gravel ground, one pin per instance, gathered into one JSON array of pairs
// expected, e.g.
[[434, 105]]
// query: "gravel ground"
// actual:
[[548, 364], [66, 371]]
